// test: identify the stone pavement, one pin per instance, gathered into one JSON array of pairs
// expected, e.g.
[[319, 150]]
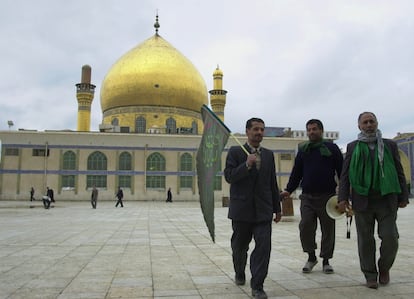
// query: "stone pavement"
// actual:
[[163, 250]]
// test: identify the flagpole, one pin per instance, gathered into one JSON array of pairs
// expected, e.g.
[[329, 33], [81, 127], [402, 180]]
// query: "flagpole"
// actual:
[[241, 145]]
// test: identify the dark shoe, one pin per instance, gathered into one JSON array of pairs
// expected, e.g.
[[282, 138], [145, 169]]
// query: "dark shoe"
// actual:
[[384, 277], [372, 284], [309, 266], [259, 294], [240, 280], [327, 269]]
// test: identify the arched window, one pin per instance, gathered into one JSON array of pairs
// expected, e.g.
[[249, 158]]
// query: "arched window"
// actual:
[[140, 125], [69, 163], [171, 126], [115, 122], [156, 162], [186, 165], [155, 168], [186, 162], [194, 126], [98, 162], [125, 163]]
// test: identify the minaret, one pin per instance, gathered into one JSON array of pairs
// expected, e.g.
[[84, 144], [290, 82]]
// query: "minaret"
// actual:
[[218, 94], [84, 93]]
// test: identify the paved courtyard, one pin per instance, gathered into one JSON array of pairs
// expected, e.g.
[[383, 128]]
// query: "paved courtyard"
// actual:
[[163, 250]]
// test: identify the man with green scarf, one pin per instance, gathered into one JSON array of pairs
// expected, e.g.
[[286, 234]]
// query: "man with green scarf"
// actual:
[[318, 163], [373, 179]]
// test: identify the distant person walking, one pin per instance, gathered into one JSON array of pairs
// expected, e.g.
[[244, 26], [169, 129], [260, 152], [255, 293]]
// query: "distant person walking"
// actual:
[[94, 197], [46, 199], [169, 195], [120, 196], [49, 193], [32, 191]]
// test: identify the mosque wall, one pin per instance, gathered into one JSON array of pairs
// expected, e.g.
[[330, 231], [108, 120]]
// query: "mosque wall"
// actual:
[[36, 159], [155, 117]]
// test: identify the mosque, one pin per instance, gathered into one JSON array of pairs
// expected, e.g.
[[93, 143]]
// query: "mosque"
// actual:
[[147, 142]]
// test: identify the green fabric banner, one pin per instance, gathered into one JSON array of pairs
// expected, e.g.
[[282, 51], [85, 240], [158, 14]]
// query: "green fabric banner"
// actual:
[[213, 141]]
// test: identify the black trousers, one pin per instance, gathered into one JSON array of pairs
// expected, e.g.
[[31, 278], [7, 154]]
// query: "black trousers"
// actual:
[[119, 202], [46, 203], [260, 256], [312, 208]]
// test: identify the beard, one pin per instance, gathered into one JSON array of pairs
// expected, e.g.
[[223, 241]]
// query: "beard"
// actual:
[[370, 133]]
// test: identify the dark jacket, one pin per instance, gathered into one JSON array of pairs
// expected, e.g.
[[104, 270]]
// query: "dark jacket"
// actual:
[[94, 195], [360, 202], [120, 194], [50, 193], [254, 194], [316, 173]]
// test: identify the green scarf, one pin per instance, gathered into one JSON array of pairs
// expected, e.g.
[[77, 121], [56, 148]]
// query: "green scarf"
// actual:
[[364, 176], [307, 146]]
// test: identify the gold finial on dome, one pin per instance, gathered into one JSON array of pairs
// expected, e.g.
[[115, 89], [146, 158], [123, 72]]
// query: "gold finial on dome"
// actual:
[[156, 25], [217, 72]]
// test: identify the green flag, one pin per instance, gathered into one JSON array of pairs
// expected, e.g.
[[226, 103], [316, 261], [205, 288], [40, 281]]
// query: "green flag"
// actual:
[[215, 136]]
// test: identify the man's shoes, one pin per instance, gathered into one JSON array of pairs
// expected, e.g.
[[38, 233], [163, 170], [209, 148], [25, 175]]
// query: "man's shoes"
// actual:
[[327, 269], [309, 266], [372, 284], [384, 277], [240, 279], [259, 294]]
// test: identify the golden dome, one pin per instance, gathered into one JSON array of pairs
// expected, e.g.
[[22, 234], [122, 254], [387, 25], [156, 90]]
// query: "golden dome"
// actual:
[[153, 73]]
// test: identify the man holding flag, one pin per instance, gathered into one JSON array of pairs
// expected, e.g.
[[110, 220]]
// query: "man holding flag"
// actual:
[[254, 199]]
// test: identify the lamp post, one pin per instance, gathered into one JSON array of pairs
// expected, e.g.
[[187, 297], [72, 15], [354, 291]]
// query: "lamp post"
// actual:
[[10, 124]]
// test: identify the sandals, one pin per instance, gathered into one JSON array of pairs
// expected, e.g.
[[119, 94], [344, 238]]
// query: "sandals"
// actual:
[[309, 266], [327, 269]]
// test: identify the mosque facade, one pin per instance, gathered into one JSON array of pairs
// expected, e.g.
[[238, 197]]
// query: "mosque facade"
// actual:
[[148, 139]]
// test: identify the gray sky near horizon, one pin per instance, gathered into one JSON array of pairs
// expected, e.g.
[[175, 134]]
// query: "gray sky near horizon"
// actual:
[[283, 61]]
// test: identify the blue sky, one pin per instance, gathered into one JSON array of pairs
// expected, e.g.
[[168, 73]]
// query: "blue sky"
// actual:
[[284, 61]]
